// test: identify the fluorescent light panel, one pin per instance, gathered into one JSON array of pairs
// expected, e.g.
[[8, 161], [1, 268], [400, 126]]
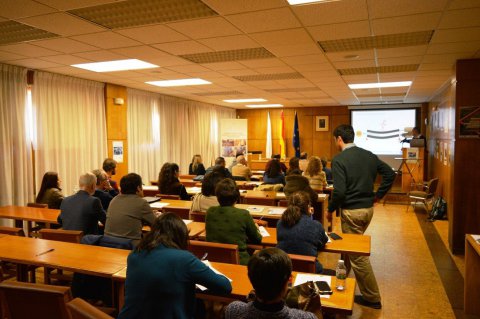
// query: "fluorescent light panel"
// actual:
[[263, 105], [118, 65], [379, 85], [297, 2], [180, 82], [244, 100]]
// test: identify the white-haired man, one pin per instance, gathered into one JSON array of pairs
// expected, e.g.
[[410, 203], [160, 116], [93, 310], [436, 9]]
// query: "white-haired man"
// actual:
[[82, 211]]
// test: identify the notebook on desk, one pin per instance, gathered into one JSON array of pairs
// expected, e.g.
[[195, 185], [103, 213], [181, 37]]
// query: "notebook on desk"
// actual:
[[151, 199]]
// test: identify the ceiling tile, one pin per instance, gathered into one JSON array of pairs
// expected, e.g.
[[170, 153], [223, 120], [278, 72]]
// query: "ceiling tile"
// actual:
[[354, 64], [65, 59], [219, 66], [239, 72], [186, 69], [8, 56], [351, 55], [183, 47], [237, 6], [401, 52], [106, 40], [152, 34], [363, 78], [35, 63], [67, 70], [73, 4], [100, 55], [445, 48], [347, 30], [282, 37], [383, 9], [394, 77], [446, 58], [62, 23], [263, 63], [205, 28], [313, 67], [293, 50], [460, 18], [276, 19], [436, 66], [460, 4], [65, 45], [22, 8], [456, 35], [142, 52], [273, 70], [400, 60], [28, 50], [305, 59], [332, 12], [411, 23], [229, 43]]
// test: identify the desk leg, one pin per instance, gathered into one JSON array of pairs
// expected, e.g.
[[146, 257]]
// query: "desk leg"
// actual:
[[18, 223], [119, 294], [472, 280], [22, 273]]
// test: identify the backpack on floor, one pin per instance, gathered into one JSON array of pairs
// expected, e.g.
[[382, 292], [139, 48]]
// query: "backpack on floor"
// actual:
[[439, 209]]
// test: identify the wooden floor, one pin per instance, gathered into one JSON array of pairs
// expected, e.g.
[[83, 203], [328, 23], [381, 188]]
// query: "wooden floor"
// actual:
[[409, 279]]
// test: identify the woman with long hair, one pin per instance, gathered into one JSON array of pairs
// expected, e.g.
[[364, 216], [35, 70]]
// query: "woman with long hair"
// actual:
[[196, 166], [294, 166], [168, 182], [50, 192], [161, 274], [297, 233], [274, 174], [315, 175]]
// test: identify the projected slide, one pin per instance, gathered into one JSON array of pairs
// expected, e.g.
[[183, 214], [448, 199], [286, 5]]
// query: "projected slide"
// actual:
[[381, 131]]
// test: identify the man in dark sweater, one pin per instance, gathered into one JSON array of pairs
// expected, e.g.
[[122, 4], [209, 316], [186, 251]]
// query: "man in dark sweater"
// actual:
[[354, 171]]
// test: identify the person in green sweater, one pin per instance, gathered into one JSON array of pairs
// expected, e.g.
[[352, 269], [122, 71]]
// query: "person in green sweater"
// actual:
[[229, 225], [161, 274], [354, 173]]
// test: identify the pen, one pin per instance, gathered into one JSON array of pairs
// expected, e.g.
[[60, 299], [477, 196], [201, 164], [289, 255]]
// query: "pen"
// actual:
[[45, 252]]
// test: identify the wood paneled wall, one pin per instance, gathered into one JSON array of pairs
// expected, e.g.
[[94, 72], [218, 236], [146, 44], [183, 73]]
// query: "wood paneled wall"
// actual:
[[311, 141], [117, 124], [466, 189]]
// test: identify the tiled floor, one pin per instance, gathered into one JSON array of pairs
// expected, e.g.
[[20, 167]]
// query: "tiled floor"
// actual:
[[406, 273]]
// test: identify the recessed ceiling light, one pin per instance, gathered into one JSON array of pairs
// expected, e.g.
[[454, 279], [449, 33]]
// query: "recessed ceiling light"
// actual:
[[263, 105], [297, 2], [244, 100], [181, 82], [379, 85], [118, 65]]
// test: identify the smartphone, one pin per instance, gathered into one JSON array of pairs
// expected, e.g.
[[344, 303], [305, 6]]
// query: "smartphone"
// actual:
[[335, 236], [324, 288]]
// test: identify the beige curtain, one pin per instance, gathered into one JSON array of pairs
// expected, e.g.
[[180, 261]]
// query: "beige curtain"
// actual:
[[71, 127], [16, 172], [170, 129]]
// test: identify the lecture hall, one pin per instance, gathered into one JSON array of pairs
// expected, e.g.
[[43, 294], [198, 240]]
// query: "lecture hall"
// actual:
[[239, 159]]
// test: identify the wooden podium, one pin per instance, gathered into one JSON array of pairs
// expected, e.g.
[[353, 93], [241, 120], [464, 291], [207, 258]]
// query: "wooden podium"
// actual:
[[411, 167]]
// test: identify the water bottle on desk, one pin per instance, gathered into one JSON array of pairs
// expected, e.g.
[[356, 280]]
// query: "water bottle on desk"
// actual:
[[341, 274]]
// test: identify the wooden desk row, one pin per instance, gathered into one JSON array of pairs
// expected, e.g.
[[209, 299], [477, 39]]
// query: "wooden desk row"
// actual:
[[111, 263]]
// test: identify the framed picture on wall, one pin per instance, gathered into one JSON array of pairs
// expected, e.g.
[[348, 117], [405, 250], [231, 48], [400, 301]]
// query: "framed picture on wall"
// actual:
[[321, 123]]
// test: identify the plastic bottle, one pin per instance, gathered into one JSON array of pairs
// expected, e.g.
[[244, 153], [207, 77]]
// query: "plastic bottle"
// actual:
[[341, 275]]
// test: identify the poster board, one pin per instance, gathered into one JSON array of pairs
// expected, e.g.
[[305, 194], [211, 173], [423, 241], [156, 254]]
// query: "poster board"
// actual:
[[233, 138]]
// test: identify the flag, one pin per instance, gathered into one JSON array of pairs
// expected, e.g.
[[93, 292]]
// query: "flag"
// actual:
[[282, 136], [268, 146], [296, 137]]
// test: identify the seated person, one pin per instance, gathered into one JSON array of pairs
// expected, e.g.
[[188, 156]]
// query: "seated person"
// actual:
[[206, 199], [196, 167], [168, 183], [110, 166], [161, 274], [235, 161], [128, 210], [50, 192], [220, 164], [315, 175], [229, 225], [328, 171], [303, 162], [274, 174], [82, 211], [270, 272], [241, 169], [276, 157], [296, 182], [293, 165], [297, 233], [102, 185]]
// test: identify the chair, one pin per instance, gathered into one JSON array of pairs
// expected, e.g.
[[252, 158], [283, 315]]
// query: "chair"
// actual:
[[165, 196], [186, 176], [283, 203], [80, 309], [224, 253], [303, 263], [261, 198], [181, 212], [68, 236], [426, 193], [198, 216], [25, 300], [7, 269]]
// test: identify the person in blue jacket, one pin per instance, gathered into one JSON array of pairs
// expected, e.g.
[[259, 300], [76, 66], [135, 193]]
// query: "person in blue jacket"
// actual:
[[161, 274]]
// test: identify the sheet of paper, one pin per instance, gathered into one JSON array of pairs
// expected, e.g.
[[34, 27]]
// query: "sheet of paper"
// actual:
[[159, 205], [255, 209], [263, 231], [322, 195], [276, 211], [303, 278], [195, 189], [477, 238], [329, 239], [206, 262], [187, 221]]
